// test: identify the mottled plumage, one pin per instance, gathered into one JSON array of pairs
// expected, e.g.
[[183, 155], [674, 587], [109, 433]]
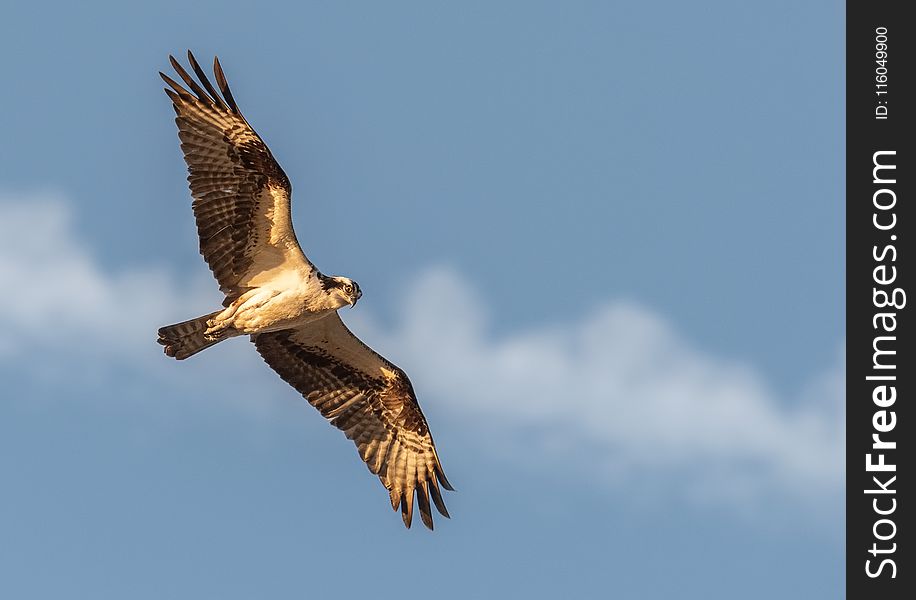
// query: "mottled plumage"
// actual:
[[275, 295]]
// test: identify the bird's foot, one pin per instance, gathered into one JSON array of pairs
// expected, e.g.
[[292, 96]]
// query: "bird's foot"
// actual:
[[215, 330]]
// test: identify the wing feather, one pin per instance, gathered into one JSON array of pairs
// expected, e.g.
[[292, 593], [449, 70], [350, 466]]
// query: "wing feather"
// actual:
[[241, 194], [368, 398], [206, 81]]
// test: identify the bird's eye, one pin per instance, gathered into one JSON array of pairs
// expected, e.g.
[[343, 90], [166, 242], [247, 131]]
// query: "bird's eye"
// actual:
[[348, 288]]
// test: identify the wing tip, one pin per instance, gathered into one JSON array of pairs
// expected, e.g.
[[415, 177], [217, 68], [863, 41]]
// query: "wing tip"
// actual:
[[437, 498], [423, 503], [407, 508], [211, 93], [440, 475], [223, 84]]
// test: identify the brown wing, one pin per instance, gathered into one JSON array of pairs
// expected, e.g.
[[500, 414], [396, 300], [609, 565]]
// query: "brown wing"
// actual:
[[370, 400], [241, 195]]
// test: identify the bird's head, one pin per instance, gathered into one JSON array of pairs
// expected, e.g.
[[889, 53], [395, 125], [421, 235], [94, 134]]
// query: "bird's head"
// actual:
[[343, 291]]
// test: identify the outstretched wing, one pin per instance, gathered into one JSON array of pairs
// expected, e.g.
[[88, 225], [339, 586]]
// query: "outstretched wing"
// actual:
[[241, 195], [370, 400]]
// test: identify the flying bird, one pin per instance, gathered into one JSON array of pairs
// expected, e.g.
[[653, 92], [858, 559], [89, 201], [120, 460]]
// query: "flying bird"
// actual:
[[287, 307]]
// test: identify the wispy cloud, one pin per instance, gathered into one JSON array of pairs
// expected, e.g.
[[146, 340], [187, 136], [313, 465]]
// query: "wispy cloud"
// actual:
[[58, 295], [618, 392], [604, 395]]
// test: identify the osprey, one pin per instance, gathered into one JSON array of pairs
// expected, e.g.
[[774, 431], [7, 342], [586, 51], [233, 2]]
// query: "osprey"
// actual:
[[275, 295]]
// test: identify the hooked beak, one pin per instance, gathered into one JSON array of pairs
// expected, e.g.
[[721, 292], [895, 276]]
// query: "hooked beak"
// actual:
[[356, 299]]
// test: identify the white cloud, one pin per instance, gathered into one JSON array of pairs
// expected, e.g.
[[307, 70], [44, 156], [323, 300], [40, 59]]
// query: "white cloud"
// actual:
[[619, 392], [65, 319], [601, 395], [55, 292]]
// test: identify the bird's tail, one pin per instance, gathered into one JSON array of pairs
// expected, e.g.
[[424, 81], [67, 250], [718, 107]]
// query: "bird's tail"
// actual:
[[187, 338]]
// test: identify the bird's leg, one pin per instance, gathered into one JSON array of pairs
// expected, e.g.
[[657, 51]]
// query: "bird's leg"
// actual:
[[224, 320], [215, 332], [242, 315], [226, 316], [219, 324]]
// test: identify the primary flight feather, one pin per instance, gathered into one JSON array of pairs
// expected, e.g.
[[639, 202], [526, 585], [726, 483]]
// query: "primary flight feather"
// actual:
[[275, 295]]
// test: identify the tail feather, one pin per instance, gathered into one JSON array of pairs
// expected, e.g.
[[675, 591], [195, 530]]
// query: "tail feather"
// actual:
[[185, 339]]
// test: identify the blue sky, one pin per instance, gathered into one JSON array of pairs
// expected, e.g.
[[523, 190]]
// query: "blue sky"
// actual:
[[605, 240]]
